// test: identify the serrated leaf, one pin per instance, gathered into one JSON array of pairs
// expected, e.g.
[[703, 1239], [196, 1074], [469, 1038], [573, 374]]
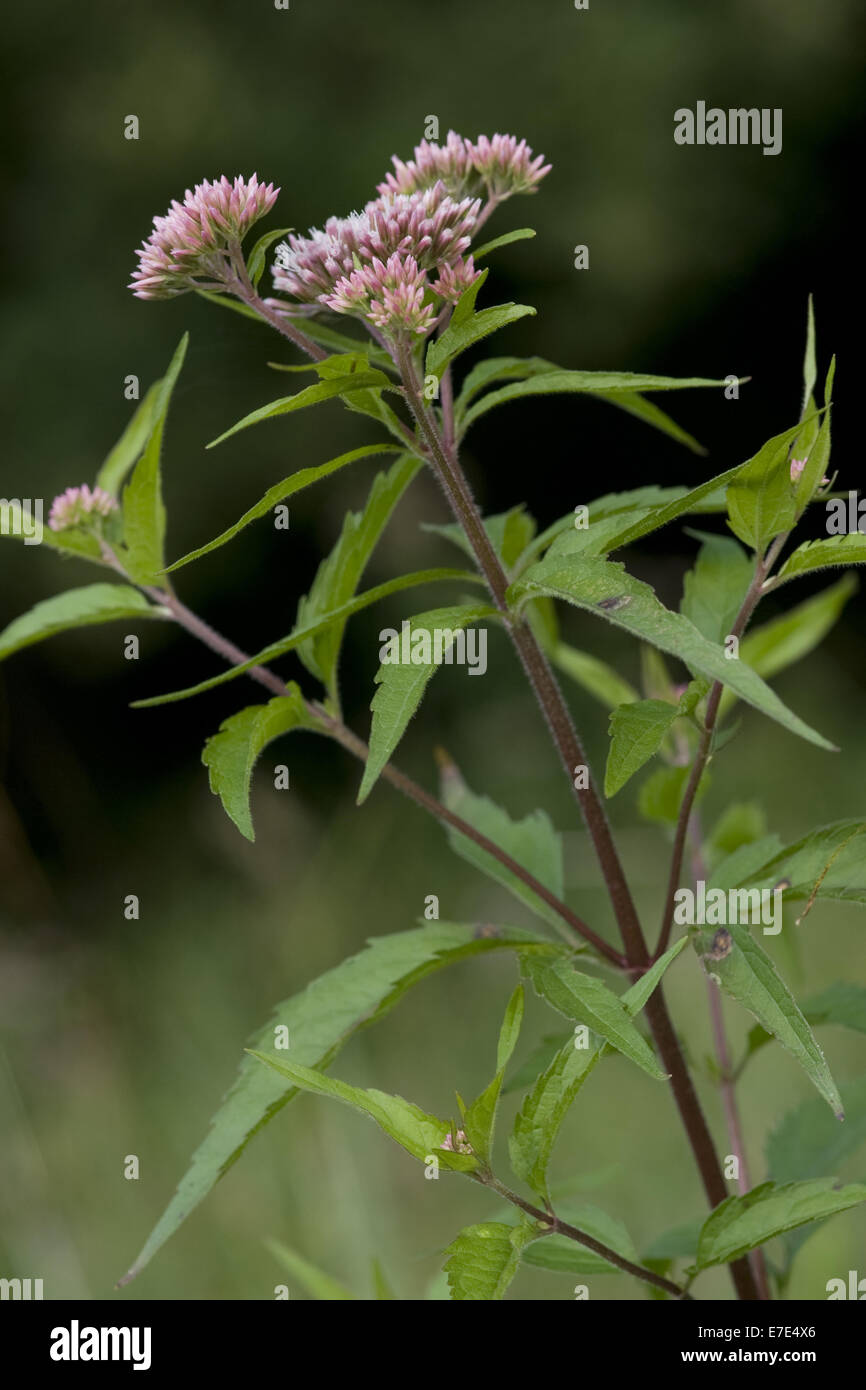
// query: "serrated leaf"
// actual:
[[402, 685], [130, 446], [713, 591], [95, 603], [318, 1023], [607, 590], [532, 842], [761, 499], [340, 572], [847, 549], [538, 1122], [828, 863], [637, 732], [416, 1131], [817, 450], [484, 1259], [318, 1284], [741, 1224], [464, 333], [231, 754], [311, 395], [749, 976], [143, 508], [586, 1000], [304, 477], [294, 639]]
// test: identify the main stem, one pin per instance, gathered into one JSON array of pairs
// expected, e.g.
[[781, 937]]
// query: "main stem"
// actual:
[[447, 468]]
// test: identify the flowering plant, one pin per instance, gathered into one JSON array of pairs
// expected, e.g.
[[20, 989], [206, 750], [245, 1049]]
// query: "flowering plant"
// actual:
[[383, 303]]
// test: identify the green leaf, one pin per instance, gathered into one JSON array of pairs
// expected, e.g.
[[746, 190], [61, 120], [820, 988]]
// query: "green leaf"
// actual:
[[606, 589], [318, 1023], [532, 842], [676, 1242], [776, 645], [844, 1004], [713, 591], [637, 732], [19, 522], [304, 477], [143, 509], [538, 1060], [748, 975], [480, 1117], [416, 1131], [231, 755], [741, 1224], [539, 1120], [257, 257], [586, 1000], [607, 384], [381, 1287], [761, 500], [661, 794], [848, 549], [294, 639], [339, 574], [96, 603], [130, 446], [828, 863], [741, 824], [522, 234], [484, 1259], [817, 452], [318, 1284], [402, 686], [311, 395], [593, 675], [462, 334]]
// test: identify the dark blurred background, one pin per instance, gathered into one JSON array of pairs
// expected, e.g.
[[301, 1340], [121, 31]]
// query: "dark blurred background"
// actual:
[[121, 1037]]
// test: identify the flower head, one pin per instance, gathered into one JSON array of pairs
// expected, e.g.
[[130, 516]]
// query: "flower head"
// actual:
[[500, 165], [461, 1147], [392, 295], [78, 506], [192, 239]]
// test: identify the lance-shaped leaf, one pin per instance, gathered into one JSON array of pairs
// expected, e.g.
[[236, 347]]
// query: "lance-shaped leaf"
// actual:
[[848, 549], [464, 333], [816, 453], [827, 863], [143, 508], [316, 1282], [532, 842], [325, 390], [130, 446], [748, 975], [610, 385], [585, 999], [484, 1258], [479, 1118], [538, 1122], [96, 603], [317, 1023], [294, 639], [774, 646], [258, 255], [231, 755], [339, 573], [606, 589], [402, 682], [304, 477], [741, 1224], [416, 1131], [521, 234]]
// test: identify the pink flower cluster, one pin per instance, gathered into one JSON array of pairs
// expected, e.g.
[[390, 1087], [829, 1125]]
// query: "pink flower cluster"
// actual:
[[500, 165], [77, 506], [192, 239], [376, 263]]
